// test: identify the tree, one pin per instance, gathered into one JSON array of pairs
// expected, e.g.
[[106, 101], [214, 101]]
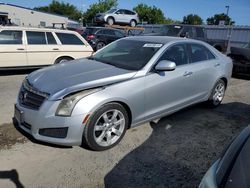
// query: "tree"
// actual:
[[152, 15], [61, 8], [215, 20], [192, 19], [101, 6]]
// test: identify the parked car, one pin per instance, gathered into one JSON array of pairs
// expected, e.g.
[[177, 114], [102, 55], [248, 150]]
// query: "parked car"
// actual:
[[120, 16], [22, 47], [241, 59], [129, 82], [197, 32], [232, 168], [101, 36]]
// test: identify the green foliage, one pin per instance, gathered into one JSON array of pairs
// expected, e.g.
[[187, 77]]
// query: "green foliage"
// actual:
[[192, 19], [100, 7], [61, 8], [152, 15], [215, 20]]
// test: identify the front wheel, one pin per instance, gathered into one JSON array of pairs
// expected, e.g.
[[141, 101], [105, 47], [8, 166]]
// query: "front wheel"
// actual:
[[217, 94], [106, 127]]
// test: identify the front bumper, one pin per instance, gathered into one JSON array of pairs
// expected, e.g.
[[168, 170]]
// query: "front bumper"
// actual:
[[44, 126]]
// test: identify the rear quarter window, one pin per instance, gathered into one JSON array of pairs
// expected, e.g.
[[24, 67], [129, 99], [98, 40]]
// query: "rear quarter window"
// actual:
[[69, 39], [200, 53]]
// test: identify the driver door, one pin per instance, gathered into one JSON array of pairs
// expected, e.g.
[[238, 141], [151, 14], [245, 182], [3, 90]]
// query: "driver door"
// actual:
[[170, 90]]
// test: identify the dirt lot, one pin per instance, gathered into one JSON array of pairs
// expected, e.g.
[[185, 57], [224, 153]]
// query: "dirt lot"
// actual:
[[174, 151]]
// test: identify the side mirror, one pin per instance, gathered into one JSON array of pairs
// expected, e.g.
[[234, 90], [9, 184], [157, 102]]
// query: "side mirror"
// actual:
[[165, 65], [184, 35]]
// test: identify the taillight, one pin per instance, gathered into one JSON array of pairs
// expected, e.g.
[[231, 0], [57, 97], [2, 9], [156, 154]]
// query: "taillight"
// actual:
[[90, 37]]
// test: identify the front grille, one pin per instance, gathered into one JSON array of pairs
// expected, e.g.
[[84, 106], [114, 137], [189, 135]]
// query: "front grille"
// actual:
[[54, 132], [29, 97]]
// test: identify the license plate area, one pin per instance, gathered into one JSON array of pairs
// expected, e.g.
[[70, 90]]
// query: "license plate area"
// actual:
[[18, 114]]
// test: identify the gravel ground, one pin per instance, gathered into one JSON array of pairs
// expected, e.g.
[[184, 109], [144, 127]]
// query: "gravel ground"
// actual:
[[174, 151]]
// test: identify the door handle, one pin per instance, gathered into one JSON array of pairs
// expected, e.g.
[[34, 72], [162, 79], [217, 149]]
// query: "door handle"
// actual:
[[55, 49], [20, 48], [187, 73], [217, 64]]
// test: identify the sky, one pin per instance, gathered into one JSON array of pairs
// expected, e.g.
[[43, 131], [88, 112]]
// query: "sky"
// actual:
[[239, 10]]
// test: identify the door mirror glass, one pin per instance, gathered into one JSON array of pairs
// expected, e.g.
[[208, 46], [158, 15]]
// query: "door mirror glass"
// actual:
[[165, 65]]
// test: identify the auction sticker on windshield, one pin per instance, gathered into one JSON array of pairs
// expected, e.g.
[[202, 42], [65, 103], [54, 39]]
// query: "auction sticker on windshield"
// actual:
[[151, 45]]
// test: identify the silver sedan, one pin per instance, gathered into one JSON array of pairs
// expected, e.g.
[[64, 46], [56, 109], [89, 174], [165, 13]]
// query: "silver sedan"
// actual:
[[127, 83]]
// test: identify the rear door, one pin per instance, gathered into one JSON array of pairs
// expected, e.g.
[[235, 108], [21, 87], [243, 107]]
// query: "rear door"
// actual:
[[202, 66], [12, 49], [42, 48]]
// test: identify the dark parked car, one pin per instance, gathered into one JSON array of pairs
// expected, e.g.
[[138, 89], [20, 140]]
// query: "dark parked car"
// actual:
[[241, 60], [197, 32], [231, 170], [98, 37]]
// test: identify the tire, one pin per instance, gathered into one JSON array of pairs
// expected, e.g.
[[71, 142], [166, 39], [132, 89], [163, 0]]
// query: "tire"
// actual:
[[100, 45], [217, 94], [132, 23], [106, 127], [63, 59], [110, 21]]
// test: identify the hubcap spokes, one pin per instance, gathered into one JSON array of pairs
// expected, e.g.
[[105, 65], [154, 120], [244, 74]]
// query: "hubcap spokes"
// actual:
[[109, 127], [218, 93]]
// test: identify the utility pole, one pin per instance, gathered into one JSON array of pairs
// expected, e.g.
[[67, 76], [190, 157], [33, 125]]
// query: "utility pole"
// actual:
[[227, 7]]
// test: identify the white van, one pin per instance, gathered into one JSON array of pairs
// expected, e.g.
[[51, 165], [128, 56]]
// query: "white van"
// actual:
[[35, 47]]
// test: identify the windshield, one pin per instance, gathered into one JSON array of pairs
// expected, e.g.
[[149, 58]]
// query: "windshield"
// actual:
[[111, 11], [173, 30], [127, 54]]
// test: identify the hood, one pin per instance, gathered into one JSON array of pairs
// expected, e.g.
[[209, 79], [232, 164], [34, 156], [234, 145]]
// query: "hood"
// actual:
[[62, 79]]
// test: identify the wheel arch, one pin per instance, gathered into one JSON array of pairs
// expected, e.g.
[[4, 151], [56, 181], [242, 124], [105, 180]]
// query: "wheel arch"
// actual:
[[63, 56]]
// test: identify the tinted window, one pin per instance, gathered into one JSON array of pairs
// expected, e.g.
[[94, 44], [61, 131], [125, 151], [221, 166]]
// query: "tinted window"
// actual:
[[187, 32], [34, 37], [121, 11], [200, 53], [69, 39], [177, 54], [200, 32], [127, 54], [11, 37], [129, 12], [118, 34], [108, 32], [50, 38], [100, 32]]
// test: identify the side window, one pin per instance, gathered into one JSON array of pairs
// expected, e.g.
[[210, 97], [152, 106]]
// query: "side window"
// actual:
[[121, 11], [100, 32], [199, 32], [187, 32], [200, 53], [50, 38], [128, 12], [69, 39], [108, 32], [34, 37], [118, 34], [11, 37], [177, 54]]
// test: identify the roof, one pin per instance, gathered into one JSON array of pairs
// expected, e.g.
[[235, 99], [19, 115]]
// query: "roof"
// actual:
[[36, 29], [157, 39]]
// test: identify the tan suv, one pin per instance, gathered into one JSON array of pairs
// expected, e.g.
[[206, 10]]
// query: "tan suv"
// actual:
[[34, 47]]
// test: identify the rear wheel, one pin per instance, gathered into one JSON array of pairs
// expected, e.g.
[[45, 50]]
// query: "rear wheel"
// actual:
[[132, 23], [100, 45], [106, 127], [63, 59], [217, 94]]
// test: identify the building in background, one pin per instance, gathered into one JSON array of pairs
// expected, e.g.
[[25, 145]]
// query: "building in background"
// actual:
[[22, 16]]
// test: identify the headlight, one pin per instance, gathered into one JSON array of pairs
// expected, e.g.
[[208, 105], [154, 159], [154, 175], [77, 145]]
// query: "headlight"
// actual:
[[67, 105]]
